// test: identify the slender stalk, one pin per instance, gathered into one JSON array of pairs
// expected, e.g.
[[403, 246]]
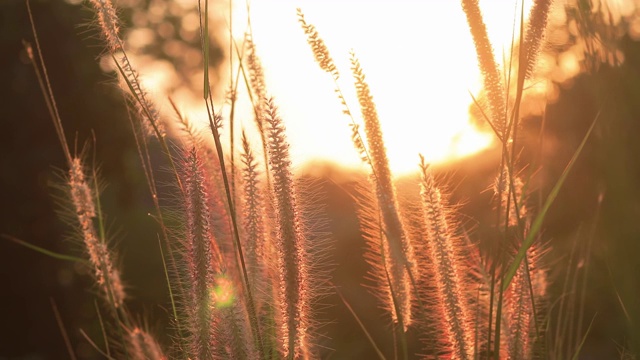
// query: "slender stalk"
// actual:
[[253, 317]]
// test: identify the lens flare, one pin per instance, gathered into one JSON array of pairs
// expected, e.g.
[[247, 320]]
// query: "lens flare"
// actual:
[[223, 293]]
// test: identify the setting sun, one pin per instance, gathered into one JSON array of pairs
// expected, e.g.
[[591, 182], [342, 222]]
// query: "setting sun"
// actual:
[[419, 60]]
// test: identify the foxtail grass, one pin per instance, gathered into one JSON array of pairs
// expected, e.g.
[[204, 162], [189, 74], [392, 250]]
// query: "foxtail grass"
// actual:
[[445, 255], [109, 25], [105, 271], [144, 346], [244, 277], [203, 261], [293, 292], [380, 220], [400, 259], [253, 215], [318, 47], [83, 192], [488, 66], [534, 35]]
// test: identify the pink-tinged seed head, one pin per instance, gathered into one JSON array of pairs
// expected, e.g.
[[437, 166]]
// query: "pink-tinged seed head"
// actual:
[[293, 295], [399, 254], [450, 281], [143, 346], [203, 261], [488, 67], [107, 276]]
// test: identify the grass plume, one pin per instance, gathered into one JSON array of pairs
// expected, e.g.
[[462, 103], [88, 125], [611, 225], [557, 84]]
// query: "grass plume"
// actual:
[[293, 294], [107, 275], [534, 35], [400, 259], [253, 216], [446, 257], [318, 47], [203, 261], [142, 345], [488, 66]]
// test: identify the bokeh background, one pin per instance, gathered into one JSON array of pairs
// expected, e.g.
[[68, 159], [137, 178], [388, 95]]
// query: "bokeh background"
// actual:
[[599, 204]]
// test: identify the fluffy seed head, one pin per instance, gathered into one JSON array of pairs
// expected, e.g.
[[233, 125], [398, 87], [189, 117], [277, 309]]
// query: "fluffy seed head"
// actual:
[[535, 33], [107, 276], [451, 294], [80, 190], [486, 60], [142, 346], [399, 250], [146, 109], [320, 50], [253, 214], [256, 75], [521, 308], [505, 189], [109, 24], [203, 261], [293, 294]]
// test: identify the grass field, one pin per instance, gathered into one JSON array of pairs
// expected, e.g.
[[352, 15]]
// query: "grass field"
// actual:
[[180, 222]]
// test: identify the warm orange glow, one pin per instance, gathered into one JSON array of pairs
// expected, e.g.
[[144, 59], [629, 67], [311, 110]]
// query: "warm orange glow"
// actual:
[[418, 57], [419, 60]]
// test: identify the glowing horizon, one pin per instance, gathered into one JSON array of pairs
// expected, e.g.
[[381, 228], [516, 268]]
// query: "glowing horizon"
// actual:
[[419, 60]]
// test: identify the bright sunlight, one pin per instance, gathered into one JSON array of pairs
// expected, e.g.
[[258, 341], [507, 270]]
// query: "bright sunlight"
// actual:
[[423, 100], [418, 57]]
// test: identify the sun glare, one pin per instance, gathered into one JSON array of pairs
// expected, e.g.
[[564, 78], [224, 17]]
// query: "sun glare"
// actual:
[[419, 60]]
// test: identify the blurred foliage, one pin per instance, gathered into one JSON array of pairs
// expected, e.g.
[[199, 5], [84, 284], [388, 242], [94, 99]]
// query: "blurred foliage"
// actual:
[[165, 36]]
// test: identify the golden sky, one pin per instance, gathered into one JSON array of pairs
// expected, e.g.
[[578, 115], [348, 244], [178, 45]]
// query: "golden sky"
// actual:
[[418, 57], [419, 60]]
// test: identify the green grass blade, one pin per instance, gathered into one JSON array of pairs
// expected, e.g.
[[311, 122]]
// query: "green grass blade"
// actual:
[[171, 296], [44, 251], [252, 309], [496, 342], [105, 337], [537, 223], [364, 329], [205, 48], [63, 331], [94, 346], [575, 356]]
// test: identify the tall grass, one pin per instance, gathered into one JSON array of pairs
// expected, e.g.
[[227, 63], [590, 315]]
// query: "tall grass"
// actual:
[[243, 272]]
